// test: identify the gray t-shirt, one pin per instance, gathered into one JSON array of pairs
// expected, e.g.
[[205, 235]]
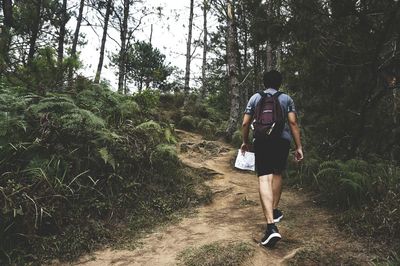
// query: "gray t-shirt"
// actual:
[[287, 105]]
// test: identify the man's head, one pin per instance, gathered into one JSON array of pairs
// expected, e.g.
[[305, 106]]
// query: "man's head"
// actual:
[[272, 79]]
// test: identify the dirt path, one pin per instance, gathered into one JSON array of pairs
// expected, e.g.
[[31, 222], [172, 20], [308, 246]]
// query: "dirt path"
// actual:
[[309, 237]]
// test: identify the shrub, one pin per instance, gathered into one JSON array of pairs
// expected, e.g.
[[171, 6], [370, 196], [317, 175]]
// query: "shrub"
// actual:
[[152, 129], [207, 129], [237, 139], [66, 164], [200, 110], [147, 99], [164, 159], [112, 107], [367, 193], [188, 123]]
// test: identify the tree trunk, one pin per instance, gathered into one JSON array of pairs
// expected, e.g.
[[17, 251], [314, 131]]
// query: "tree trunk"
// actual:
[[5, 37], [244, 95], [205, 47], [76, 36], [151, 34], [395, 126], [61, 39], [7, 13], [256, 67], [122, 52], [103, 41], [35, 31], [232, 63], [188, 50], [269, 57]]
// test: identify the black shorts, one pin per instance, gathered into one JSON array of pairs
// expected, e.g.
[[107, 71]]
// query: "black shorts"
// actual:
[[271, 156]]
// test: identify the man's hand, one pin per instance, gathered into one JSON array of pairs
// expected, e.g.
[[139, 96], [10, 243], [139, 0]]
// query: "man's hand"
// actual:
[[244, 148], [298, 155]]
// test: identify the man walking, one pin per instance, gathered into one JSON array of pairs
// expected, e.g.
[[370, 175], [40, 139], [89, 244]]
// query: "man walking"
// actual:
[[271, 146]]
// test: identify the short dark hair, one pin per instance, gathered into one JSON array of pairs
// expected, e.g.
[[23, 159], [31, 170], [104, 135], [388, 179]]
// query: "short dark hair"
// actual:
[[272, 79]]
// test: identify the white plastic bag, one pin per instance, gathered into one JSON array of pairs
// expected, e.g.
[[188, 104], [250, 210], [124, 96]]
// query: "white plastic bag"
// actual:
[[246, 161]]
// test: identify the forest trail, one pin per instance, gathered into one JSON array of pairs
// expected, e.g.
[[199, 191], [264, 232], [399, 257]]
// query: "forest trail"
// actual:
[[236, 215]]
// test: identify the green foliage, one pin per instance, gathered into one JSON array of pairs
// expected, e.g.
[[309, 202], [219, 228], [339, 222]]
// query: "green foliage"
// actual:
[[366, 193], [112, 107], [237, 139], [188, 123], [207, 129], [344, 184], [146, 65], [170, 101], [68, 160], [153, 130], [44, 73], [147, 99], [165, 159]]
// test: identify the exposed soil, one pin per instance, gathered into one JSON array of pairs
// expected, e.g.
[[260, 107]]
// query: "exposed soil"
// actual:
[[309, 236]]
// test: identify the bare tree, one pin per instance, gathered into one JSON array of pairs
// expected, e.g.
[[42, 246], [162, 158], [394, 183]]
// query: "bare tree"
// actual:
[[188, 49], [103, 40], [76, 35], [122, 52], [205, 48]]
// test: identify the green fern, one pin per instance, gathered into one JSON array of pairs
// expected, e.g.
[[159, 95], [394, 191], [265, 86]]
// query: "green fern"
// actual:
[[107, 157], [80, 119], [55, 105]]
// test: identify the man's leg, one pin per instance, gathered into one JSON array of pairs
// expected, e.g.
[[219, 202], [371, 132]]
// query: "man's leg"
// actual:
[[266, 196], [276, 189], [267, 199]]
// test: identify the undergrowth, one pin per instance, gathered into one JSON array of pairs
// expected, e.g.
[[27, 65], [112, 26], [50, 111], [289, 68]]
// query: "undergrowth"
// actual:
[[74, 165], [194, 115], [366, 195]]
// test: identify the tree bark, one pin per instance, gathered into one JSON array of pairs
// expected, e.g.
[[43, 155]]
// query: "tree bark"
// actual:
[[5, 37], [256, 67], [205, 48], [7, 13], [232, 64], [61, 39], [35, 31], [76, 36], [395, 126], [103, 41], [269, 57], [188, 50], [122, 52], [151, 34]]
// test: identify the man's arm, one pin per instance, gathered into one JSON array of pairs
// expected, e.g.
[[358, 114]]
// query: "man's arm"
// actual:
[[294, 128], [245, 132]]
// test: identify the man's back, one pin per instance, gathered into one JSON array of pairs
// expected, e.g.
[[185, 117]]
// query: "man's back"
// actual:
[[286, 103]]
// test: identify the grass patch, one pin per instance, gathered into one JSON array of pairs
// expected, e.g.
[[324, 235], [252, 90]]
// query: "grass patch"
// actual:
[[216, 253], [317, 256], [246, 202]]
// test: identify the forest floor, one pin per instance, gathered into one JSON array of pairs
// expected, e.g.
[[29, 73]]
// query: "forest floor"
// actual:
[[309, 235]]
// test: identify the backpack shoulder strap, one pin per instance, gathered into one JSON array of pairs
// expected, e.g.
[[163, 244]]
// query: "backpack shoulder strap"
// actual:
[[262, 93], [277, 94]]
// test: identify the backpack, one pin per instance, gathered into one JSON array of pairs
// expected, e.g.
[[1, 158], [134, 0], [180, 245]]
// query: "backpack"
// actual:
[[268, 117]]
